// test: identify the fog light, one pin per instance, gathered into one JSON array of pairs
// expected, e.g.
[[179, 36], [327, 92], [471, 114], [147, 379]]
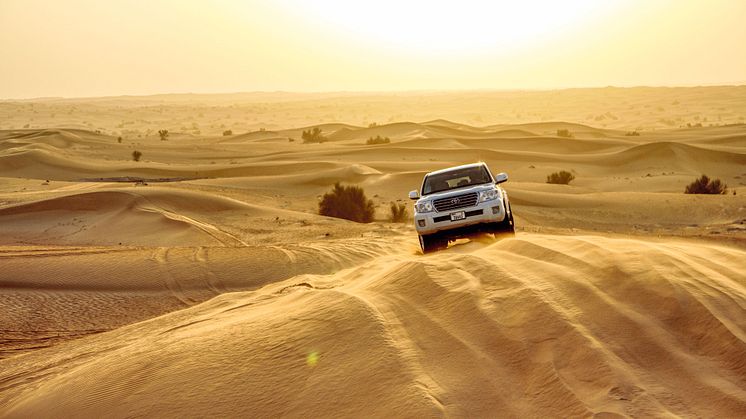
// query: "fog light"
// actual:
[[421, 223], [495, 210]]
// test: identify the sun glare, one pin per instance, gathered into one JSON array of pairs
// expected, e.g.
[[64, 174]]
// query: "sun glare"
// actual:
[[467, 26]]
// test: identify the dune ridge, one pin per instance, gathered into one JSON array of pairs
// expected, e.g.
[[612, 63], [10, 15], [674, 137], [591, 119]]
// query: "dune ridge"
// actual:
[[130, 217]]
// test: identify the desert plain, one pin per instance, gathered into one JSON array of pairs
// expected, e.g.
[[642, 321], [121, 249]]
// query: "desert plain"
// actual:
[[201, 281]]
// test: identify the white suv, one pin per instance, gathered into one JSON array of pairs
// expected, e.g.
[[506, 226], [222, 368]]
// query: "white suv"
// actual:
[[459, 202]]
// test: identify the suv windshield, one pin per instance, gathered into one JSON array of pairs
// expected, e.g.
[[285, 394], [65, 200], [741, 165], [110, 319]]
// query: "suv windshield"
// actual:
[[456, 179]]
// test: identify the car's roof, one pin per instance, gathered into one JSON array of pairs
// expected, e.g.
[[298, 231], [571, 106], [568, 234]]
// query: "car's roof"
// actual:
[[463, 166]]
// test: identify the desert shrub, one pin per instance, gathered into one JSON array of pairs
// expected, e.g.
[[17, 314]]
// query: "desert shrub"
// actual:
[[119, 140], [227, 133], [564, 133], [136, 155], [313, 136], [378, 140], [398, 213], [163, 133], [348, 202], [705, 185], [632, 134], [562, 177]]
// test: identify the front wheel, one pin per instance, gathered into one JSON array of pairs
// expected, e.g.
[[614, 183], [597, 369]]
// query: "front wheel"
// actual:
[[505, 227], [431, 243]]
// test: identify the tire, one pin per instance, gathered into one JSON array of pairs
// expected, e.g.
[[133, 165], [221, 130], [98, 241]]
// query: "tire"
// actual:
[[431, 243], [505, 227]]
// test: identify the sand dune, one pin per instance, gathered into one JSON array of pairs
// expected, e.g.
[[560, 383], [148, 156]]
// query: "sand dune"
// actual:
[[154, 216], [523, 143], [118, 217], [535, 326], [52, 294], [552, 127], [228, 157], [675, 156], [201, 281], [616, 169]]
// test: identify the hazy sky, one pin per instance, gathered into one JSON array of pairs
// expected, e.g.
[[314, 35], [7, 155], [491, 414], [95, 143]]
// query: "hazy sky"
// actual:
[[112, 47]]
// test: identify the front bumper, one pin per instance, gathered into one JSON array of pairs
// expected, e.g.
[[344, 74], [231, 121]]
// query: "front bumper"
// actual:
[[484, 212]]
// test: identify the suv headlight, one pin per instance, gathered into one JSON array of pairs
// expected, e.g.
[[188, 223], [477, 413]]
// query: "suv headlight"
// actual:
[[424, 206], [488, 195]]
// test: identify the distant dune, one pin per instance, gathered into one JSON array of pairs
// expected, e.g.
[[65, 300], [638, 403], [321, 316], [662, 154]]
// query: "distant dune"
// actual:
[[86, 167], [640, 108]]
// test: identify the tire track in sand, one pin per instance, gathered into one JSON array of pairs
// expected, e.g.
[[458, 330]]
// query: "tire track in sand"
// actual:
[[160, 255]]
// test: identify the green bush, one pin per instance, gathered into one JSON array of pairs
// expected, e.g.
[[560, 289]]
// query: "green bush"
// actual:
[[378, 140], [564, 133], [562, 177], [398, 213], [313, 136], [347, 202], [136, 155], [705, 185]]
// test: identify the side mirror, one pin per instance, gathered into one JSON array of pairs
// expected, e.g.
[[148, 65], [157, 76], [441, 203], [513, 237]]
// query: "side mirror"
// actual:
[[501, 177], [414, 195]]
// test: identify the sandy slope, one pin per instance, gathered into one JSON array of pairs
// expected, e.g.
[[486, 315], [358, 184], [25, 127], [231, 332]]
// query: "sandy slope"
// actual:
[[51, 294], [534, 326]]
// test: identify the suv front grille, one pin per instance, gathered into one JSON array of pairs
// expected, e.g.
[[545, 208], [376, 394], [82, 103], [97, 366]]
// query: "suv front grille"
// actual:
[[455, 202]]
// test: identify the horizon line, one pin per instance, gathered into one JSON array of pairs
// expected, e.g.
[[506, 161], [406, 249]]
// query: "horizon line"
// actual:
[[369, 92]]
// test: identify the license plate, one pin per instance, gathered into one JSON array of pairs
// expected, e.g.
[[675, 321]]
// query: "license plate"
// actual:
[[457, 216]]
